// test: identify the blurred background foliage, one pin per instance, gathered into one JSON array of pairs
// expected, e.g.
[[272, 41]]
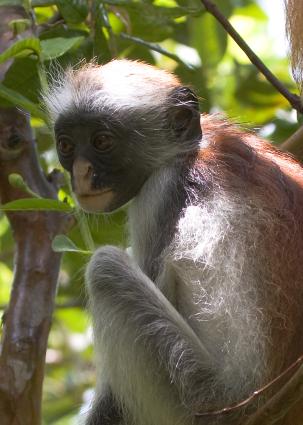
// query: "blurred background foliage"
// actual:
[[177, 35]]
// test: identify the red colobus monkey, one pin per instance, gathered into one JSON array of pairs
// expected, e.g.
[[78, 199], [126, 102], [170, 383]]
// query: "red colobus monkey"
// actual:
[[208, 309]]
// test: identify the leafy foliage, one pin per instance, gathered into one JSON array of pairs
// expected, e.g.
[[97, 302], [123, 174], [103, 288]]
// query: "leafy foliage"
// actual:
[[177, 35]]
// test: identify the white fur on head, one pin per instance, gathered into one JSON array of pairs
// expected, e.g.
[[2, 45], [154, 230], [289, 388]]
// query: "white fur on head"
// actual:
[[118, 84]]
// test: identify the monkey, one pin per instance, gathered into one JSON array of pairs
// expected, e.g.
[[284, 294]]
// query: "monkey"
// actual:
[[207, 308]]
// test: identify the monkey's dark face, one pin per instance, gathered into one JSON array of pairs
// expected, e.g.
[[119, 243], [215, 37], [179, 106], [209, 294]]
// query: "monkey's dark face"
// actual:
[[100, 155], [110, 154]]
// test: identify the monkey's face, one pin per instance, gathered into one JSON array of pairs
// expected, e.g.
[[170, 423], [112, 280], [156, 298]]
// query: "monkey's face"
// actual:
[[117, 123], [102, 158], [112, 149]]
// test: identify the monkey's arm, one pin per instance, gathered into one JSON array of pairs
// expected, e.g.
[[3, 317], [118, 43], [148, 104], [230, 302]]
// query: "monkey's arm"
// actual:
[[149, 355]]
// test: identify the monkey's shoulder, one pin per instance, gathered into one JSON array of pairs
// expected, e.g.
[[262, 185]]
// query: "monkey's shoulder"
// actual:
[[239, 161]]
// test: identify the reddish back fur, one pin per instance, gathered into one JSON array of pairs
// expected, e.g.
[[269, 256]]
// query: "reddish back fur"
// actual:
[[246, 164]]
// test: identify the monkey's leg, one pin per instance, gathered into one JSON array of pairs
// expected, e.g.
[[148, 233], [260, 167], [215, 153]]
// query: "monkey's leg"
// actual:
[[151, 358]]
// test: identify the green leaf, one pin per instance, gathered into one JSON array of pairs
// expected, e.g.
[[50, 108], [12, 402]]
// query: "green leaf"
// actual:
[[227, 6], [36, 204], [23, 77], [16, 180], [17, 99], [209, 39], [62, 243], [73, 11], [55, 47], [153, 23], [28, 46], [253, 90], [19, 25]]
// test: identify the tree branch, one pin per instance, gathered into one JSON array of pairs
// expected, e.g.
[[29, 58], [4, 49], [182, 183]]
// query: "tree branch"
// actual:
[[293, 99], [153, 46], [294, 144], [28, 317]]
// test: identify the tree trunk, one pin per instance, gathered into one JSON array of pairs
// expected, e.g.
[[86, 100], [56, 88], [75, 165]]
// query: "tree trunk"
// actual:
[[28, 317]]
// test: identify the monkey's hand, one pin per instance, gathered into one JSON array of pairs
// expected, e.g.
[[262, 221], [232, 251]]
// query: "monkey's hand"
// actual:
[[118, 289], [108, 265]]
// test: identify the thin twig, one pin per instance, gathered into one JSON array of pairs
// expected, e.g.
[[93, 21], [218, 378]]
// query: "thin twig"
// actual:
[[280, 403], [255, 394], [155, 47], [292, 98]]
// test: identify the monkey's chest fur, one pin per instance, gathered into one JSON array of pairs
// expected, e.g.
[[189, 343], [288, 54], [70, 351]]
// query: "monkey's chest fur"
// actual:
[[201, 256]]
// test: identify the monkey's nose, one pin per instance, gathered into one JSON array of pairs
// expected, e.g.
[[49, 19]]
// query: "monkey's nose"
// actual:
[[82, 176]]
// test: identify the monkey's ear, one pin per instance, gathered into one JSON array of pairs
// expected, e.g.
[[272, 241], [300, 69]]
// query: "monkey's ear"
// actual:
[[184, 115]]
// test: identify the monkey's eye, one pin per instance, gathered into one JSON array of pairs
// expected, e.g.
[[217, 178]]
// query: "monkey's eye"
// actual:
[[102, 142], [65, 146]]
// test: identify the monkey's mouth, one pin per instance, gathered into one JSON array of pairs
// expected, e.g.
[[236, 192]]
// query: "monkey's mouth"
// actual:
[[95, 201]]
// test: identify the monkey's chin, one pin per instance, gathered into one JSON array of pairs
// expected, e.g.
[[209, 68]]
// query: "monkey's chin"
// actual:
[[96, 202]]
